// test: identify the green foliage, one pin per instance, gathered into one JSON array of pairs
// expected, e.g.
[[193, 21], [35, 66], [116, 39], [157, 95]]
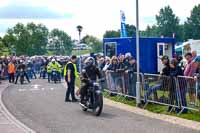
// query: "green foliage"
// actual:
[[151, 31], [192, 25], [80, 52], [131, 30], [167, 22], [60, 43], [111, 34], [27, 39], [38, 38], [93, 42]]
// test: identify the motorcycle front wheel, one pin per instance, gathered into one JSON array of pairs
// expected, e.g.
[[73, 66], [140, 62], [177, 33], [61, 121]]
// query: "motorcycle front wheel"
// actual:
[[99, 105]]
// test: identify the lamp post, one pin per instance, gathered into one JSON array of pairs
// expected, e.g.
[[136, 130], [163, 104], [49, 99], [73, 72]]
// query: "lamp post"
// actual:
[[80, 28], [138, 55]]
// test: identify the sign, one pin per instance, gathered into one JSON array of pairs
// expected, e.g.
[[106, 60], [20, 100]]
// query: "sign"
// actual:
[[123, 24]]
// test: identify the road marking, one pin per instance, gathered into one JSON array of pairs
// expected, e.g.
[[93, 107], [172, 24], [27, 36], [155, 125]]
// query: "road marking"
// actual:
[[22, 90], [52, 89], [34, 89], [35, 86], [43, 89]]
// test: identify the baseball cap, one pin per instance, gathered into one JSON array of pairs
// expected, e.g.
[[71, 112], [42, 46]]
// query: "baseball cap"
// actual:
[[165, 57]]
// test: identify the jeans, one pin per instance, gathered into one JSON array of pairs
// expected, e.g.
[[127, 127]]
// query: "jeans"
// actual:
[[150, 90], [132, 84], [11, 77], [70, 90], [18, 74]]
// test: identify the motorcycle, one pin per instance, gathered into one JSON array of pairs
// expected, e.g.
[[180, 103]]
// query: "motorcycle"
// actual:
[[22, 76], [54, 75], [43, 73], [94, 98], [29, 71]]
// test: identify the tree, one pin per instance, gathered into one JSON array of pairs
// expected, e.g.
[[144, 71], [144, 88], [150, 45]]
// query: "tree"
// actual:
[[167, 22], [94, 42], [2, 46], [30, 39], [38, 38], [111, 34], [192, 25], [151, 31], [60, 43], [131, 30]]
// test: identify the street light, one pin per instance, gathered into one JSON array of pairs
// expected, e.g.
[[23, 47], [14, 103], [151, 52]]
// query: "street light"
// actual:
[[138, 55], [80, 28]]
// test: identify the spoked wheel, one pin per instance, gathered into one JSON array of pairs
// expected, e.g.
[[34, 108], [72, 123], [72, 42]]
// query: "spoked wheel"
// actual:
[[99, 105]]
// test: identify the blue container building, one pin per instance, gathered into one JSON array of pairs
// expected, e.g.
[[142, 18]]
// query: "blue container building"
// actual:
[[151, 50]]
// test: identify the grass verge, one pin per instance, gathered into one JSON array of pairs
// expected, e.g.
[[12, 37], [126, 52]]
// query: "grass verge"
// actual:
[[80, 52]]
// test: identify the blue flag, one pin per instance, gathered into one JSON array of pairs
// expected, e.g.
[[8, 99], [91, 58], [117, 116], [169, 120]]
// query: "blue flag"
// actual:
[[123, 24]]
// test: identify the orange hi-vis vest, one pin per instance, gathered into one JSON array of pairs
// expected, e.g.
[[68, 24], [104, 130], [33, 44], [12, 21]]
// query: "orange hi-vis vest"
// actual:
[[11, 68]]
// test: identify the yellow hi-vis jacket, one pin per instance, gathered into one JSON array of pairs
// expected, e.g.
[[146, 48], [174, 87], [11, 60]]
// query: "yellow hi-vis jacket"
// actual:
[[52, 66], [75, 70]]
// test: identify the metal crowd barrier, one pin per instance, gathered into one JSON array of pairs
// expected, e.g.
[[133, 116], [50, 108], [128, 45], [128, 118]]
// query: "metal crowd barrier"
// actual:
[[188, 88], [181, 93], [161, 90], [121, 83]]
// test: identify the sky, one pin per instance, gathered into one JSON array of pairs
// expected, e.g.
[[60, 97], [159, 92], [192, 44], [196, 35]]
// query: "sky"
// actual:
[[96, 16]]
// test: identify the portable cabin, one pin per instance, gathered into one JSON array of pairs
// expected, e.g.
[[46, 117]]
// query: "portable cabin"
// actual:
[[189, 46], [151, 50]]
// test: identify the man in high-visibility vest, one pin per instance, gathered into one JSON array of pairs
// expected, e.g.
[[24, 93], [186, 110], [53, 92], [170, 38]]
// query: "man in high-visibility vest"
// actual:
[[70, 75]]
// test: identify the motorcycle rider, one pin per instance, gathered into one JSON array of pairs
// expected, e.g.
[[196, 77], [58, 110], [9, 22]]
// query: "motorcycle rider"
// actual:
[[23, 67], [52, 65], [90, 73]]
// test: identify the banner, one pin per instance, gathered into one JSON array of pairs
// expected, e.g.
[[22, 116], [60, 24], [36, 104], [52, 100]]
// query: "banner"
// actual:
[[123, 24]]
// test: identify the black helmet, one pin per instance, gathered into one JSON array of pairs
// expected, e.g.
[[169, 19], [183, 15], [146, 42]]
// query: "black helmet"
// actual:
[[89, 61]]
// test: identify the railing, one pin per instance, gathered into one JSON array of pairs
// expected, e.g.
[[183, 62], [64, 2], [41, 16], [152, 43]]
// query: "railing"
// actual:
[[181, 93]]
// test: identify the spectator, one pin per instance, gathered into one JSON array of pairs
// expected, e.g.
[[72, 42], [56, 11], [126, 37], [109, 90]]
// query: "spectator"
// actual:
[[11, 72], [107, 64], [190, 69], [132, 77], [194, 55], [121, 66], [101, 63], [126, 60], [162, 81], [175, 70], [1, 69], [112, 72]]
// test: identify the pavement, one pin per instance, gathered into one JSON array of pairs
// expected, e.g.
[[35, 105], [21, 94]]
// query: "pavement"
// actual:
[[41, 107], [7, 125]]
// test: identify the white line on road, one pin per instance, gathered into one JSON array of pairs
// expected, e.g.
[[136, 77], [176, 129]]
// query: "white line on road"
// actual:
[[34, 89], [22, 90]]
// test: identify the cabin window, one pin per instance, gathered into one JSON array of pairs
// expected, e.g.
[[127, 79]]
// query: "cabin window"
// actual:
[[110, 49]]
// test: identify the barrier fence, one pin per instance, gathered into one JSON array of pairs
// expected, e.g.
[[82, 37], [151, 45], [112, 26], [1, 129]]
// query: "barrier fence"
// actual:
[[181, 93]]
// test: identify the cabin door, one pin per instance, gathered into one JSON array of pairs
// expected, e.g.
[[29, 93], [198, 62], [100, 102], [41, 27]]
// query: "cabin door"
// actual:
[[163, 49], [110, 49]]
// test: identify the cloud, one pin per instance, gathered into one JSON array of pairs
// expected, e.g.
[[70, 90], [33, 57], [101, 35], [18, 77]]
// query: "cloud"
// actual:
[[30, 12]]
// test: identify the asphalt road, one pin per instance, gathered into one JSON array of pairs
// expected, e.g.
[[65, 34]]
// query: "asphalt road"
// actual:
[[41, 106]]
